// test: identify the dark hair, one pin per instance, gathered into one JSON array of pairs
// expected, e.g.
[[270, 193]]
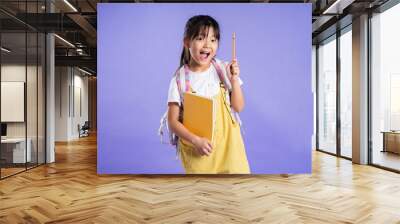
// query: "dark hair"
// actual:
[[193, 28]]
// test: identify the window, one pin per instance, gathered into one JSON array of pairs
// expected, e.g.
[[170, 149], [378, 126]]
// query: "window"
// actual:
[[385, 88], [327, 95], [346, 92]]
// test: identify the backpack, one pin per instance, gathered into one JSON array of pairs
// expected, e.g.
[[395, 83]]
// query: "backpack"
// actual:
[[183, 72]]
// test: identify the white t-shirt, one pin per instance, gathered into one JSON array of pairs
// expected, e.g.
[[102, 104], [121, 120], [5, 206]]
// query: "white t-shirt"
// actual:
[[203, 83]]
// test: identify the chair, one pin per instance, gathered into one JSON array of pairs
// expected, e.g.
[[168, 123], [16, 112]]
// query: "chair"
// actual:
[[84, 130]]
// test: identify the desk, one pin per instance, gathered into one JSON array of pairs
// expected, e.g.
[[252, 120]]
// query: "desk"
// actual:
[[13, 150], [391, 141]]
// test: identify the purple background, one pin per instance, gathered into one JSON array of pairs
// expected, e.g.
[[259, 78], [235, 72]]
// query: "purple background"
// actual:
[[139, 46]]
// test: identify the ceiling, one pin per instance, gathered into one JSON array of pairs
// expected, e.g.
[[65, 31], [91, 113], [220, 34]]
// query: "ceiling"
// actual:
[[76, 22]]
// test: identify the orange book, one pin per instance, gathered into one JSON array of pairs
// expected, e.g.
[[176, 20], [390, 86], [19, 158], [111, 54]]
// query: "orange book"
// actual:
[[199, 115]]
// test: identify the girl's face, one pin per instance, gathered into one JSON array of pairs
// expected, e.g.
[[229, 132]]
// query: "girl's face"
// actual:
[[203, 48]]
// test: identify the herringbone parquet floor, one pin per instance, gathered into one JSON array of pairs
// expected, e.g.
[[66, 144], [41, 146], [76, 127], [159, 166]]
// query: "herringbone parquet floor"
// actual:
[[70, 191]]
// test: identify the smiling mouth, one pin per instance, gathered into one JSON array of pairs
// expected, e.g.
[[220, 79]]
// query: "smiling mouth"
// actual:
[[204, 54]]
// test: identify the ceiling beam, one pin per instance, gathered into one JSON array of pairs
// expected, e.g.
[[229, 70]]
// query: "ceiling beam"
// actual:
[[83, 61], [83, 23]]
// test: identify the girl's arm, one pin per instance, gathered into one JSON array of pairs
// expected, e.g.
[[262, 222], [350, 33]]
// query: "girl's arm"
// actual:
[[237, 99], [202, 145]]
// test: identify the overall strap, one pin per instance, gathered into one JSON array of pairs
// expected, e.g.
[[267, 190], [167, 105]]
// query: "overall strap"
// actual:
[[223, 76]]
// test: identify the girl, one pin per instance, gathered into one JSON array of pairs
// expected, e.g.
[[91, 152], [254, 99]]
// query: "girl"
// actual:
[[202, 73]]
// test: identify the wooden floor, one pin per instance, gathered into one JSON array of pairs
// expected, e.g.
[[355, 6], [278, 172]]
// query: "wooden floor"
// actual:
[[387, 159], [70, 191], [5, 172]]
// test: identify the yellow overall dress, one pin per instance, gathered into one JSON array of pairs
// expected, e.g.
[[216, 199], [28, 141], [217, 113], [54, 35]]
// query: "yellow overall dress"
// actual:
[[228, 155]]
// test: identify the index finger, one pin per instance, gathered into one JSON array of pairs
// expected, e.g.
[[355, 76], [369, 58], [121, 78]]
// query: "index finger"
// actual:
[[233, 46]]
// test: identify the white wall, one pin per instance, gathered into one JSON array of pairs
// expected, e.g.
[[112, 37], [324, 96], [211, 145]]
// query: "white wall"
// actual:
[[12, 73], [81, 102], [61, 103], [15, 72], [70, 83]]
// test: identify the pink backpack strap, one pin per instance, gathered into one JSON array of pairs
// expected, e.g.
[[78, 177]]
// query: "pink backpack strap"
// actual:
[[187, 78], [222, 78], [221, 75], [178, 80]]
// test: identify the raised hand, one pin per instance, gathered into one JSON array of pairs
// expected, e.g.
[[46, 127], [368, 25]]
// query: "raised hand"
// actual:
[[234, 65]]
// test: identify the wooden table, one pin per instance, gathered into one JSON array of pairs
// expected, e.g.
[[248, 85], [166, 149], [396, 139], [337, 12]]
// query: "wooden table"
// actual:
[[391, 141]]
